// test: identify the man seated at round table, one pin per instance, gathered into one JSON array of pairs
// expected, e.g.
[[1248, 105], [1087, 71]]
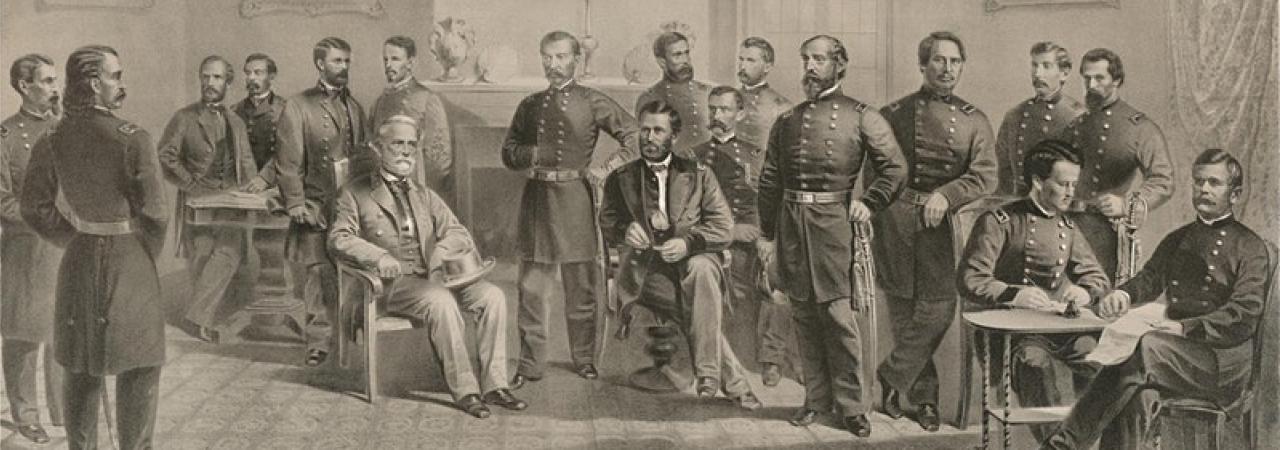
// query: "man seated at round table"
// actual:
[[388, 223], [1030, 254]]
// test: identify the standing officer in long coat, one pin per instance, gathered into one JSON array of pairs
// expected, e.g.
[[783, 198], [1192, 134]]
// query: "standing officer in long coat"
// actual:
[[761, 103], [678, 89], [322, 145], [405, 95], [94, 186], [1044, 116], [736, 164], [30, 262], [806, 204], [1116, 143], [948, 146], [261, 110], [552, 136]]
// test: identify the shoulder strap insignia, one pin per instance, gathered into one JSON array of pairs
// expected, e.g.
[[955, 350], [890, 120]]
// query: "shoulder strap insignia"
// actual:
[[1136, 118], [860, 107], [1001, 215], [128, 128], [4, 132], [968, 108]]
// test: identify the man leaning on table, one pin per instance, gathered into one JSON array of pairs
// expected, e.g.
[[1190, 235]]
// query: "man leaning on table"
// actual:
[[1030, 254], [1213, 272]]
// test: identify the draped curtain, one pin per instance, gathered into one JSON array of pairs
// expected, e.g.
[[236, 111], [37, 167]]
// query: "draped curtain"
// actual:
[[1225, 94]]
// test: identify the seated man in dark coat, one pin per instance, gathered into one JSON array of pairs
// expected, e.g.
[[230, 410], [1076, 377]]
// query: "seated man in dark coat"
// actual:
[[1213, 272], [672, 221], [1030, 254]]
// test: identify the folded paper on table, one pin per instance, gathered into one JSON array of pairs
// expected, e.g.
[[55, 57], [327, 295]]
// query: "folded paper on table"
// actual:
[[1120, 339], [233, 200]]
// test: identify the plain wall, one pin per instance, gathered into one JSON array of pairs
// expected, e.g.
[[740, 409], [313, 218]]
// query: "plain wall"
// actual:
[[149, 42]]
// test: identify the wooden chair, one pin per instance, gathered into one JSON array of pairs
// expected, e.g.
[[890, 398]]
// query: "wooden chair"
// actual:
[[1195, 423], [962, 222], [358, 289]]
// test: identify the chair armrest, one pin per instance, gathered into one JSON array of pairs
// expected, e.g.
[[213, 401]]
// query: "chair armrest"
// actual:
[[371, 280]]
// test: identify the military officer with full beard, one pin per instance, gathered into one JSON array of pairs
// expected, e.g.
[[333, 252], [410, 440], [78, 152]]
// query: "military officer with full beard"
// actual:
[[806, 204], [1117, 143], [678, 89]]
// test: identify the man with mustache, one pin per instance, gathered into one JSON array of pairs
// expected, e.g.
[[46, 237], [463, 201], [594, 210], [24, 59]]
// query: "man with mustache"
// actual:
[[1117, 143], [30, 262], [405, 95], [261, 110], [948, 146], [321, 135], [205, 150], [553, 136], [762, 104], [671, 221], [736, 164], [1214, 273], [678, 88], [1030, 254], [807, 206], [390, 224], [93, 187], [1041, 117]]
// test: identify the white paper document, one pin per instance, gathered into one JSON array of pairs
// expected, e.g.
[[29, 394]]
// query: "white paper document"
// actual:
[[1121, 337]]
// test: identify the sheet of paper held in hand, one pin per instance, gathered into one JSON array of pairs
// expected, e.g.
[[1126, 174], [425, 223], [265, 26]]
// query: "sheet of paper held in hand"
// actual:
[[1120, 339]]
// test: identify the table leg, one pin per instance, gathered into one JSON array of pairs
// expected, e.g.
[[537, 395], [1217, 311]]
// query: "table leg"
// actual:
[[1006, 381], [983, 340]]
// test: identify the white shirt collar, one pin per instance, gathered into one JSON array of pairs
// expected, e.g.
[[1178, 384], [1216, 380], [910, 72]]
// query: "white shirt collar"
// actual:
[[46, 115], [829, 91], [328, 87], [747, 87], [666, 162], [565, 84], [392, 177], [402, 83], [261, 97], [1044, 211], [727, 138], [1212, 221]]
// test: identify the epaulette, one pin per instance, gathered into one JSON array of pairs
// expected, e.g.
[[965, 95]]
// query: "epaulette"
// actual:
[[128, 128], [860, 108], [4, 132], [1136, 118], [1001, 215], [968, 108]]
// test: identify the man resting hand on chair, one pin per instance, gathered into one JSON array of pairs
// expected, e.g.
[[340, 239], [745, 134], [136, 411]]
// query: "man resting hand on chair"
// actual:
[[389, 224]]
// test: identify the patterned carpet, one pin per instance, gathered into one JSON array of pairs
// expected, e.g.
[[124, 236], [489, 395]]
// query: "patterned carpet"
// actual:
[[254, 394]]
